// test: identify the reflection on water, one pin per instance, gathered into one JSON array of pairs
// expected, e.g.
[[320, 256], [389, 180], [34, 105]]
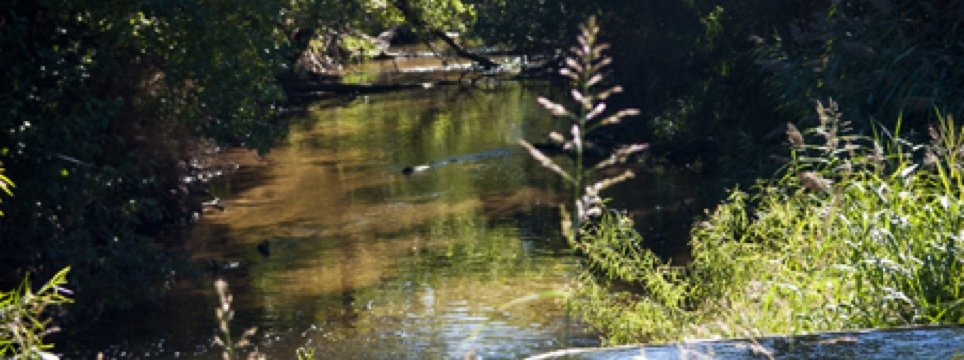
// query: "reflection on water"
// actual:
[[377, 264], [368, 263], [416, 64]]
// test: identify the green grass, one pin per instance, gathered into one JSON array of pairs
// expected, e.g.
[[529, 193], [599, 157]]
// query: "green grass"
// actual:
[[25, 318], [854, 233]]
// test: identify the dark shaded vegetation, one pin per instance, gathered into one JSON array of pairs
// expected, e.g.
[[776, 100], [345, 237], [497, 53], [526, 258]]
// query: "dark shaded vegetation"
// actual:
[[854, 231], [859, 230], [106, 101], [109, 102], [717, 80]]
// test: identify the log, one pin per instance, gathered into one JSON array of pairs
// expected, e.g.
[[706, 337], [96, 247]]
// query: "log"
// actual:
[[311, 87], [485, 62], [413, 18]]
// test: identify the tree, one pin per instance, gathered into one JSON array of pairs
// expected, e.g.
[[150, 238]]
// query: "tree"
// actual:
[[106, 100]]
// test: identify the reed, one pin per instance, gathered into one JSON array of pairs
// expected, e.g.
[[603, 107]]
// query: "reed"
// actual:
[[231, 349], [585, 69]]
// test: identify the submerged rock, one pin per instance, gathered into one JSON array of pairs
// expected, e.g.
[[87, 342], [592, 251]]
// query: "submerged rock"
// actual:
[[264, 247]]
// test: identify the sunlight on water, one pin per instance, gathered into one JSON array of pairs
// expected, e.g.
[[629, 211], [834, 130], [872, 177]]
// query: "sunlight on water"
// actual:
[[385, 265], [365, 262]]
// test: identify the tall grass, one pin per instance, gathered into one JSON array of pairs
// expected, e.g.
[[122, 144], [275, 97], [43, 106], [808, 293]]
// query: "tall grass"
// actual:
[[585, 68], [854, 232], [24, 318], [231, 349]]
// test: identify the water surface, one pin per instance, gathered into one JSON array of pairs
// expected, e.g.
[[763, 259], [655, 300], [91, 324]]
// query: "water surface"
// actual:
[[464, 259], [365, 262]]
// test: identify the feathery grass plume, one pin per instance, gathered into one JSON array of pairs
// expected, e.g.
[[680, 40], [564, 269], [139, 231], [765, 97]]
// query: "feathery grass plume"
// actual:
[[621, 155], [813, 181], [945, 152], [585, 66], [230, 348], [607, 238], [946, 140], [545, 160], [794, 135], [835, 157], [831, 125]]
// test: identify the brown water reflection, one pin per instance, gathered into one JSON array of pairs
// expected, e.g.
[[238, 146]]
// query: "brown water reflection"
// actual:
[[367, 263], [383, 265]]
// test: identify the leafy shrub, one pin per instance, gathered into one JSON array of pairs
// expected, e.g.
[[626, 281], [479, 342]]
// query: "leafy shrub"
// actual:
[[855, 232], [106, 103]]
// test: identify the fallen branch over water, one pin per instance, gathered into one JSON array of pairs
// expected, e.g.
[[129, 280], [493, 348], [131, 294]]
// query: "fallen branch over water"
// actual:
[[312, 86]]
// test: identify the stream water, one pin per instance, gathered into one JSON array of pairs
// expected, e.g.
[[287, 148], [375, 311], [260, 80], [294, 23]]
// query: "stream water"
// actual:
[[364, 262]]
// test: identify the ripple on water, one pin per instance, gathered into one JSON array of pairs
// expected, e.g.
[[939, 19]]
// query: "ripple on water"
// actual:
[[366, 263]]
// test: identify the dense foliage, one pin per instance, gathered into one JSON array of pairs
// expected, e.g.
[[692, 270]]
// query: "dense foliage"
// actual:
[[857, 233], [108, 102], [718, 79], [105, 101], [876, 58], [671, 55]]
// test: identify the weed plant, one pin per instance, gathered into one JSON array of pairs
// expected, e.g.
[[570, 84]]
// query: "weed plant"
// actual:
[[231, 348], [24, 318], [585, 69], [855, 232]]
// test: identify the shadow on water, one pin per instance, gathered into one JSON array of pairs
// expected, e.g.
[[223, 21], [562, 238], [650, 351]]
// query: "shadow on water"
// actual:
[[368, 263]]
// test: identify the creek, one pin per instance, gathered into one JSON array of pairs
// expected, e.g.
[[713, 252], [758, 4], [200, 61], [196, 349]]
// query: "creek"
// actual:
[[365, 262]]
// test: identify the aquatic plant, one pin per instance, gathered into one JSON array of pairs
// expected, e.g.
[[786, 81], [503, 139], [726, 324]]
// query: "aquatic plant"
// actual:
[[585, 68], [854, 232], [230, 348], [24, 320]]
